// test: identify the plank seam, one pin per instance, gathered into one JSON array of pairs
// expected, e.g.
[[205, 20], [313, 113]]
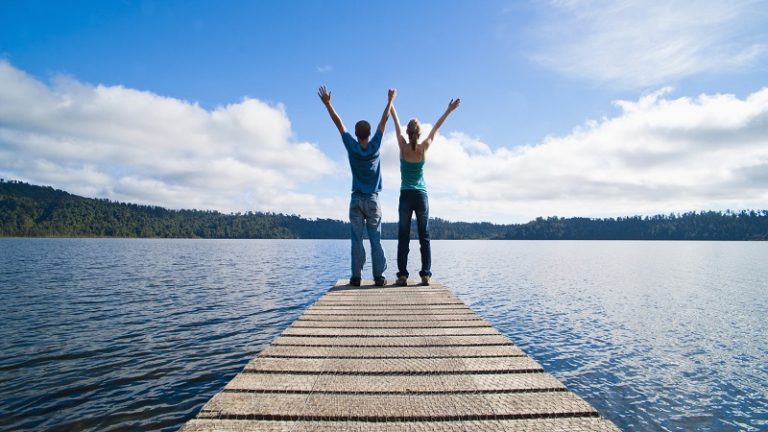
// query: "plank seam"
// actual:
[[388, 328], [390, 419], [396, 393], [403, 373], [379, 336], [392, 345], [391, 357]]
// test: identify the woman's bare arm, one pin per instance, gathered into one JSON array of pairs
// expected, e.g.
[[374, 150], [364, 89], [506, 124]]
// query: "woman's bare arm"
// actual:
[[400, 140], [452, 105]]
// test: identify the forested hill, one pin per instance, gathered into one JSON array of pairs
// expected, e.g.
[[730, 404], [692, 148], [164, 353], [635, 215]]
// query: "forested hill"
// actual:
[[37, 211]]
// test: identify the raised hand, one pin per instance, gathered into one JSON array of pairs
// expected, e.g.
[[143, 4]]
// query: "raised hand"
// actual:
[[324, 94], [452, 105], [385, 115]]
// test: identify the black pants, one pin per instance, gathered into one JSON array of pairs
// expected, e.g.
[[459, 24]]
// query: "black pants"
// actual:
[[413, 201]]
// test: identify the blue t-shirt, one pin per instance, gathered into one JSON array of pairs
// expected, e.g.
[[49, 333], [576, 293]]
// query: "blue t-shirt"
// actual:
[[365, 163]]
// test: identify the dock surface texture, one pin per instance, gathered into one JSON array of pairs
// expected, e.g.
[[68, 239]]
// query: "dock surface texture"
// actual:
[[412, 358]]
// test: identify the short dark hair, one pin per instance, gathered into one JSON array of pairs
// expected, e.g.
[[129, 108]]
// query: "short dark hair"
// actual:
[[362, 130]]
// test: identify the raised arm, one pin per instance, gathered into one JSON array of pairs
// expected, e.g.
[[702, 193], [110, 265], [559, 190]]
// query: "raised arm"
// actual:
[[385, 115], [325, 96], [452, 105], [400, 139]]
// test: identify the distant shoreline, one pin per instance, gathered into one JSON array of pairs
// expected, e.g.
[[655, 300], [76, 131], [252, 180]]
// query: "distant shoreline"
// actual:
[[30, 211]]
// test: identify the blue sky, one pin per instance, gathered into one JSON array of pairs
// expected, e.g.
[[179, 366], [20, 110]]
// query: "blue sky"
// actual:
[[589, 108]]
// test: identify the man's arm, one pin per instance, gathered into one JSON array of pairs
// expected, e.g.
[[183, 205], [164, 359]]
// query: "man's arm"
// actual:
[[385, 116], [325, 96], [400, 140], [452, 105]]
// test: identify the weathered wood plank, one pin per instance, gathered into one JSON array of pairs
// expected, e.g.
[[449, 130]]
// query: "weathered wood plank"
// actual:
[[391, 314], [341, 323], [392, 332], [553, 424], [402, 309], [393, 318], [395, 407], [394, 341], [389, 352], [395, 365], [432, 383], [394, 359]]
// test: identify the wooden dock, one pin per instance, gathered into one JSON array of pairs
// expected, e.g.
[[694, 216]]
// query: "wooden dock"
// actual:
[[394, 359]]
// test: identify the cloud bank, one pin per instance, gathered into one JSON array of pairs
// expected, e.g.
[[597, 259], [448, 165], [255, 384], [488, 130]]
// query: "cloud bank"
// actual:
[[659, 155], [635, 44], [136, 146]]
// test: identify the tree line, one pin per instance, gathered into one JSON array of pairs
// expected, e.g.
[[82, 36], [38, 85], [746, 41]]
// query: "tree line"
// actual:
[[42, 211]]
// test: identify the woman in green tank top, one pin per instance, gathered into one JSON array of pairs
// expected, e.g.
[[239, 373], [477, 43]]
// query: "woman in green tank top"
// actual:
[[413, 194]]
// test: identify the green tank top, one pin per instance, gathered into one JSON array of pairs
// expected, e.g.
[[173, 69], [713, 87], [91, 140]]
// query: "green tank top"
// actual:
[[412, 175]]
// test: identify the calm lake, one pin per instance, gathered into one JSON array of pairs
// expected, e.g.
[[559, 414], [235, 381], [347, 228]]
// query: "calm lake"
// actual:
[[101, 334]]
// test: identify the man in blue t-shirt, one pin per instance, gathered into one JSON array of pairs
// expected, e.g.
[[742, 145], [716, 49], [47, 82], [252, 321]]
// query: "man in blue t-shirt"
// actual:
[[364, 208]]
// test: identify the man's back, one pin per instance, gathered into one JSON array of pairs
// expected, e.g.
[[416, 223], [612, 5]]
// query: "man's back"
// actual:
[[365, 163]]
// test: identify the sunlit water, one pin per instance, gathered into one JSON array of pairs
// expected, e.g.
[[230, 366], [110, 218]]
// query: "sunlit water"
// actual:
[[139, 334]]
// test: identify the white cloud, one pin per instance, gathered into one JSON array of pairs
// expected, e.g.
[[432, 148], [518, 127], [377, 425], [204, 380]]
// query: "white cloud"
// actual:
[[136, 146], [646, 43], [658, 155]]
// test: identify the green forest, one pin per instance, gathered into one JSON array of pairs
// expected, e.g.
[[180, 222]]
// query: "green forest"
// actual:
[[42, 211]]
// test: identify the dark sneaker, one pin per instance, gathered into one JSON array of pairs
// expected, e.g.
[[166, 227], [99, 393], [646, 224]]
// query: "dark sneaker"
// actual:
[[425, 280], [354, 281], [402, 280], [380, 281]]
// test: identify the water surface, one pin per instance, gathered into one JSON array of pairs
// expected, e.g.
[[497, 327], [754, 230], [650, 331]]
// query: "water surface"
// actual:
[[99, 334]]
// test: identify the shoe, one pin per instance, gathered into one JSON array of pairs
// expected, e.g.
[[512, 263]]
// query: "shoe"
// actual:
[[354, 281], [425, 280], [402, 280], [380, 281]]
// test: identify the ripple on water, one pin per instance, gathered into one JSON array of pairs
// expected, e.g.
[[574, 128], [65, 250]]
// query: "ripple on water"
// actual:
[[656, 335], [139, 334]]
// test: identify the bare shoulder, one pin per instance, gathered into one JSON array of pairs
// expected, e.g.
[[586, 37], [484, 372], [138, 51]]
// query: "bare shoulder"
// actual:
[[401, 141]]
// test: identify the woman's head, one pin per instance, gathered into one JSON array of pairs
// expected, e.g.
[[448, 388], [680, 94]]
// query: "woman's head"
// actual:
[[413, 130]]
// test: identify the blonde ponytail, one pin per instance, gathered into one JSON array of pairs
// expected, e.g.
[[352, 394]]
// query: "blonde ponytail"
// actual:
[[413, 130]]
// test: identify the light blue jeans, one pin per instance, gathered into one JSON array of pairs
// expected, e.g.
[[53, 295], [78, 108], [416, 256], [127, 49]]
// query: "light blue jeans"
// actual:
[[365, 213]]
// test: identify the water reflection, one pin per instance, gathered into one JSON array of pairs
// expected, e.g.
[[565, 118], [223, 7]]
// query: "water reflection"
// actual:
[[138, 334], [657, 335]]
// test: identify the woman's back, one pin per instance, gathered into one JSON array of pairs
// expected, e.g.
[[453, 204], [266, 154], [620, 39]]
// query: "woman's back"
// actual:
[[412, 153]]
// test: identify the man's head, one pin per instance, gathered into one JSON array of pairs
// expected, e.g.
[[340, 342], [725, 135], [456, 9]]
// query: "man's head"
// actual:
[[362, 130]]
